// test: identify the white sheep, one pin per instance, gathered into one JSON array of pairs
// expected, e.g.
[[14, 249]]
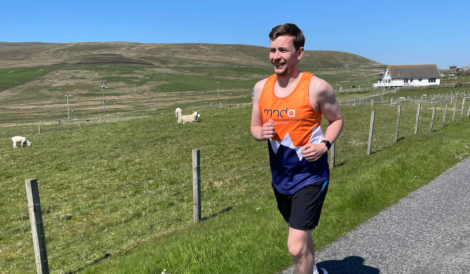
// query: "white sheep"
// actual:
[[178, 112], [183, 119], [20, 139]]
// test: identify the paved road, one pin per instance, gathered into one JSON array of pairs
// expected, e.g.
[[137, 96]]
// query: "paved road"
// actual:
[[426, 232]]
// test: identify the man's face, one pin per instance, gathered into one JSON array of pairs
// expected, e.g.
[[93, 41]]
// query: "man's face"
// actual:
[[283, 55]]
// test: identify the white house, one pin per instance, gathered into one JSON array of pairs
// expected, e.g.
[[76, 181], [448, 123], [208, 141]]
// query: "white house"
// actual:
[[409, 75]]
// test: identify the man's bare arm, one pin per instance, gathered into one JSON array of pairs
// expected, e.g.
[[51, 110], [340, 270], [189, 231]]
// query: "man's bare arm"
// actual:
[[330, 109], [322, 95], [258, 130]]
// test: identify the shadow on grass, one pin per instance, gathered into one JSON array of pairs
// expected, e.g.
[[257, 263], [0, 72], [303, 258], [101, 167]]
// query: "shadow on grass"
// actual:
[[340, 164], [349, 265], [106, 256], [376, 151], [218, 213]]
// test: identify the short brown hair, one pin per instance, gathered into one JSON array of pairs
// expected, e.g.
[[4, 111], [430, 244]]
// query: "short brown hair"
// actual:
[[291, 30]]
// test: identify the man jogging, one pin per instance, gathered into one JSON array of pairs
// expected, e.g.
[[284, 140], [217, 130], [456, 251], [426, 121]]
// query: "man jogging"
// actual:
[[287, 109]]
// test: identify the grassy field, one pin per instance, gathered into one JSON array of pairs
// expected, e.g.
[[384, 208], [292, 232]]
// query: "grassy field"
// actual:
[[35, 95], [252, 238], [111, 186]]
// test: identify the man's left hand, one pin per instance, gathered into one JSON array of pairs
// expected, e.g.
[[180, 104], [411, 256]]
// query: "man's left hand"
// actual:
[[313, 152]]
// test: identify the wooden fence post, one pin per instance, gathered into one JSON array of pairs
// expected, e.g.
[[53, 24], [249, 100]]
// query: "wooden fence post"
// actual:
[[371, 132], [332, 155], [444, 116], [453, 115], [372, 102], [39, 129], [468, 112], [432, 118], [196, 186], [398, 123], [37, 227], [417, 118], [391, 101], [463, 104]]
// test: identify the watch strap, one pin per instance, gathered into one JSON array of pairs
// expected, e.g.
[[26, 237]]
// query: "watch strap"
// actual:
[[327, 143]]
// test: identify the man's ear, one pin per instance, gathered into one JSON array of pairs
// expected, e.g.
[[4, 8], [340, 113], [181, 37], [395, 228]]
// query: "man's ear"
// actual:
[[300, 53]]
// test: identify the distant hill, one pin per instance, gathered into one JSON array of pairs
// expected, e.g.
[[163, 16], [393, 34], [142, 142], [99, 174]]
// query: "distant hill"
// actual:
[[161, 55]]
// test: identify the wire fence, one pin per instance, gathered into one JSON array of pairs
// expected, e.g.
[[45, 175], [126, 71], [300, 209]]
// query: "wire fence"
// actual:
[[434, 98], [83, 229], [45, 127], [50, 126]]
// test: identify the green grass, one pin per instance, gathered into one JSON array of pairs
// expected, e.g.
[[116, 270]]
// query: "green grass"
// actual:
[[11, 77], [131, 181], [251, 238]]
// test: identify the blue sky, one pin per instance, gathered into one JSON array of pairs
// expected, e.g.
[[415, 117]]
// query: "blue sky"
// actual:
[[391, 32]]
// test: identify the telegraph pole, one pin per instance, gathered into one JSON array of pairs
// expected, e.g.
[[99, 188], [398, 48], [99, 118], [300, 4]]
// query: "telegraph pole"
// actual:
[[102, 89], [68, 109], [218, 90]]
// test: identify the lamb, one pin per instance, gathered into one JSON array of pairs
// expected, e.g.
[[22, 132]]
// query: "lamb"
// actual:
[[189, 118], [178, 112], [20, 139]]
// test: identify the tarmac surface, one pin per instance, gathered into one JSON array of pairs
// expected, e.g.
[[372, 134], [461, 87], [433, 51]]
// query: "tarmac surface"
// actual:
[[426, 232]]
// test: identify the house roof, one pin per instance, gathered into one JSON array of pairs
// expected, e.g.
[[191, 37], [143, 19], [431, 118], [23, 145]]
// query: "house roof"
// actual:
[[414, 71]]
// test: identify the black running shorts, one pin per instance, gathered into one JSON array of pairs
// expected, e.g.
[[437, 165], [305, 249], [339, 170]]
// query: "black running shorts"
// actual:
[[302, 209]]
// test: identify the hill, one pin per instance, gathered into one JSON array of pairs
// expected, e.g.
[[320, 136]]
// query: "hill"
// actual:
[[34, 77], [160, 55]]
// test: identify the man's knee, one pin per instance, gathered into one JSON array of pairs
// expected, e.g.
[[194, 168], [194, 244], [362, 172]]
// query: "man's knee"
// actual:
[[298, 243], [295, 250]]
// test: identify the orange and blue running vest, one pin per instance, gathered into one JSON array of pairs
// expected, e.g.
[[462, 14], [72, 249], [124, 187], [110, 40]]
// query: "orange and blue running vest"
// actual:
[[296, 124]]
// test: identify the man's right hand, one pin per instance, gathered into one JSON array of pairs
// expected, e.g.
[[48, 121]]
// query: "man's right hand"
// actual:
[[268, 130]]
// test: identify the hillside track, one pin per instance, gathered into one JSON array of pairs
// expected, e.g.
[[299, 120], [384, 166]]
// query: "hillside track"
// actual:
[[428, 231]]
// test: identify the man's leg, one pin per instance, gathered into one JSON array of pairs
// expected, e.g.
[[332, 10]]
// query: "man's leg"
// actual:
[[301, 248]]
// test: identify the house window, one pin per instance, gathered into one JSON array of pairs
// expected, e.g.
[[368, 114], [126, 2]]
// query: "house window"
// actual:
[[406, 80], [432, 80], [411, 80], [420, 79]]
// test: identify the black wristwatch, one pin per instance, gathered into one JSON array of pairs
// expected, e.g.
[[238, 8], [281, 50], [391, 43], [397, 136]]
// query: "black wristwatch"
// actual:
[[327, 143]]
